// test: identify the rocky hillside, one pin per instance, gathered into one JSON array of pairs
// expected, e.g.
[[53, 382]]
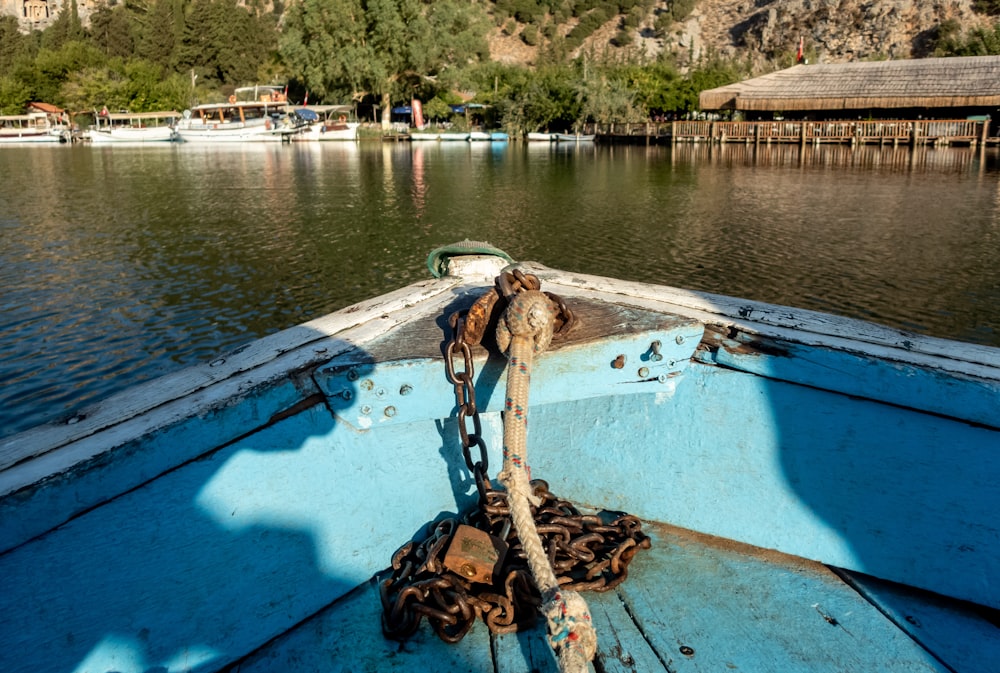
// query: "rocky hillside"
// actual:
[[767, 32]]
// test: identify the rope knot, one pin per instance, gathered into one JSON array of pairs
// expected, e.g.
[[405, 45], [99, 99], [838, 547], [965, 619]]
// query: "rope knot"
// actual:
[[530, 315]]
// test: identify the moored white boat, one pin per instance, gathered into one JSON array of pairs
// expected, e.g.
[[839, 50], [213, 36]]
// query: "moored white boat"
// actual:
[[479, 136], [252, 114], [819, 493], [453, 136], [33, 127], [332, 122], [536, 136], [134, 127], [573, 137]]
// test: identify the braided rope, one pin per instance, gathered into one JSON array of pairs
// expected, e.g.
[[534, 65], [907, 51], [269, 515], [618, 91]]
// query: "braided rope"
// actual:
[[525, 329]]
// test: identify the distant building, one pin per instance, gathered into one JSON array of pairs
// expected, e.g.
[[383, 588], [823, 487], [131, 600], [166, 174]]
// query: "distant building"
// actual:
[[39, 14], [941, 88]]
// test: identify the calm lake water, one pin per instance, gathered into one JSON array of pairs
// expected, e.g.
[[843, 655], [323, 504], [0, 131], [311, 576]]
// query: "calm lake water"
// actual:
[[120, 264]]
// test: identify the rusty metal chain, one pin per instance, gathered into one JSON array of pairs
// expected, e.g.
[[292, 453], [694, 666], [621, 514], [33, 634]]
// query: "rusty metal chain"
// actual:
[[589, 552], [465, 397]]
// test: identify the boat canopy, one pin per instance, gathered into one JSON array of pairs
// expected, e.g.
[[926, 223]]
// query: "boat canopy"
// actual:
[[126, 116]]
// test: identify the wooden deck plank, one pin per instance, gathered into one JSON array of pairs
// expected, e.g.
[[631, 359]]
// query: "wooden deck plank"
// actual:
[[702, 604], [713, 608], [347, 637], [621, 647], [957, 633], [525, 652]]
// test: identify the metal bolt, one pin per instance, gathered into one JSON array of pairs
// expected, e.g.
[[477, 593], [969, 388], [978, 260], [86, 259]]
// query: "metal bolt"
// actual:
[[468, 570], [380, 392], [390, 411], [366, 410], [352, 375], [367, 384], [655, 347], [679, 339], [619, 362], [346, 394], [687, 651], [406, 389], [643, 372]]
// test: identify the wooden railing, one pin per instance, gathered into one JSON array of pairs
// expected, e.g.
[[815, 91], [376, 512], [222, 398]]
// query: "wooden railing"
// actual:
[[920, 131]]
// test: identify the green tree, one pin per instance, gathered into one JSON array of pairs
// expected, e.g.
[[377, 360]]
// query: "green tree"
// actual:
[[609, 99], [111, 30], [977, 42], [14, 95], [52, 68], [14, 47], [224, 43], [383, 48], [66, 28], [159, 30], [547, 99], [654, 85]]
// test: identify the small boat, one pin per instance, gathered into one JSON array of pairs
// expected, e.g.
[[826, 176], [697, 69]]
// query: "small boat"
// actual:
[[741, 486], [424, 136], [252, 114], [327, 122], [538, 137], [574, 138], [499, 137], [134, 127], [36, 126], [453, 136], [479, 136]]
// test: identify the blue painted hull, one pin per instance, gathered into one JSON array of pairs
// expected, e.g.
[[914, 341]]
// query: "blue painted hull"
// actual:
[[236, 513]]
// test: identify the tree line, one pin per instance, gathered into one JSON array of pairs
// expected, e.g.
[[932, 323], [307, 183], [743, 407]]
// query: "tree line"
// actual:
[[145, 55]]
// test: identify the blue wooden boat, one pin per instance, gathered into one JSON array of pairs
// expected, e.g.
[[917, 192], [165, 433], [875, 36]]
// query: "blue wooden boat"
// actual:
[[812, 493]]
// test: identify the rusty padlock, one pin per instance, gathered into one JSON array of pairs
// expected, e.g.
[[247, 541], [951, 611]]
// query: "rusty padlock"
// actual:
[[475, 554]]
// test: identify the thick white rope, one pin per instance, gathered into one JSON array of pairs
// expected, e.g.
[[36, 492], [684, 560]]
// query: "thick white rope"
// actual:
[[525, 329]]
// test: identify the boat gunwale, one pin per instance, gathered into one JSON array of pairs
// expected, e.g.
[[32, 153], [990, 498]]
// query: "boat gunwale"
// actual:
[[800, 326], [142, 401], [797, 325]]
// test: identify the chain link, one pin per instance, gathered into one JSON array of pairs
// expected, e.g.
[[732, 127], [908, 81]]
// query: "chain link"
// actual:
[[465, 399], [588, 552]]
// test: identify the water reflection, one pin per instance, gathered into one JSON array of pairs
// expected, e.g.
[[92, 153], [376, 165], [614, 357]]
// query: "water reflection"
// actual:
[[885, 158], [119, 264]]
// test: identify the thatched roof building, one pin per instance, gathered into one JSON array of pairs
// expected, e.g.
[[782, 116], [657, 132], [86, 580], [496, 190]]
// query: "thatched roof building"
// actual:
[[936, 83]]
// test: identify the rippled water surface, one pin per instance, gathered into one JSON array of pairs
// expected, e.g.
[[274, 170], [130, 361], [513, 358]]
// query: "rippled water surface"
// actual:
[[120, 264]]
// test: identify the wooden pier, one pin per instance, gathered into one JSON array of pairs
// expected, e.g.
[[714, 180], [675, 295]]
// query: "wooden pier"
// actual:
[[878, 132]]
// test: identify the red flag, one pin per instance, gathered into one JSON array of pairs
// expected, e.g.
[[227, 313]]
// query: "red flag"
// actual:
[[799, 55], [305, 101]]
